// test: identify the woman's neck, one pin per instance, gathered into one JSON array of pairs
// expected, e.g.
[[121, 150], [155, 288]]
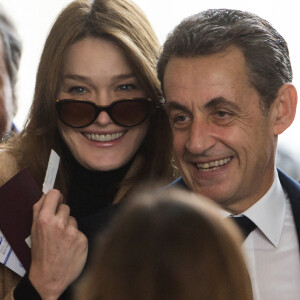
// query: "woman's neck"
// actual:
[[90, 191]]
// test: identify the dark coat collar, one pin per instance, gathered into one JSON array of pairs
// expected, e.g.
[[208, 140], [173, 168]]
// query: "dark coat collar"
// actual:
[[292, 188]]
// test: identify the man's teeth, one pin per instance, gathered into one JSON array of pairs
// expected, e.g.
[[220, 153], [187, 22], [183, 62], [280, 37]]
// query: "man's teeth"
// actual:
[[212, 165], [104, 137]]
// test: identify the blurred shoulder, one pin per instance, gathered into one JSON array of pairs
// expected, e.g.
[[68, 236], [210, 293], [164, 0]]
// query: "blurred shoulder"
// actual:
[[9, 166], [8, 282]]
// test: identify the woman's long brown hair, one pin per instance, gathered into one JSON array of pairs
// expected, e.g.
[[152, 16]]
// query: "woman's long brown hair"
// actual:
[[122, 22]]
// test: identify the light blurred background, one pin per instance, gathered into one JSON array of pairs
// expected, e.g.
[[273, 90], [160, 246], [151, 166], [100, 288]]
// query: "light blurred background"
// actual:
[[34, 18]]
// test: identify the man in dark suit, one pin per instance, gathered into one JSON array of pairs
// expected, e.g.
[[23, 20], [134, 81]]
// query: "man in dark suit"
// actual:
[[226, 78]]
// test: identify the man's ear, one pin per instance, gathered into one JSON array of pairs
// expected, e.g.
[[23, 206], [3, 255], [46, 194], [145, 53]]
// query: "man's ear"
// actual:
[[284, 108]]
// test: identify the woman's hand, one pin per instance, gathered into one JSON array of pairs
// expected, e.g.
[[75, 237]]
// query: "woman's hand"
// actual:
[[59, 249]]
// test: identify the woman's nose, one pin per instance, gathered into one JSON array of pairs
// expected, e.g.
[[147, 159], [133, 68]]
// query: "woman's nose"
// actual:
[[103, 119]]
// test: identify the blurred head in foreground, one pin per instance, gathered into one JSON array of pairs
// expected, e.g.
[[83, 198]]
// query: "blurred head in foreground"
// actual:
[[169, 244]]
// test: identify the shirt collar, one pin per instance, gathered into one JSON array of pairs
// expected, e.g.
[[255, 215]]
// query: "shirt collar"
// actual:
[[268, 213]]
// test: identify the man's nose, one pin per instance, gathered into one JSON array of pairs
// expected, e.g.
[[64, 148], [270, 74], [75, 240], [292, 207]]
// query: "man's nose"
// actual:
[[200, 138]]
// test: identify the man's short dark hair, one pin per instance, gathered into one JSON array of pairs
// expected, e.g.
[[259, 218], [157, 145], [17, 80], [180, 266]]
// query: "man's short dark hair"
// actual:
[[212, 31], [12, 50]]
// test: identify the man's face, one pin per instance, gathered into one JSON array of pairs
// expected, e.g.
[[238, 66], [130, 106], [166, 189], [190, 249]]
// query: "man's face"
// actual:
[[223, 143], [6, 101]]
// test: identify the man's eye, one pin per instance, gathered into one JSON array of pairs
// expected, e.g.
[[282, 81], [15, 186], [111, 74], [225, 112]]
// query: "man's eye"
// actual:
[[223, 118], [221, 114], [180, 119], [77, 90]]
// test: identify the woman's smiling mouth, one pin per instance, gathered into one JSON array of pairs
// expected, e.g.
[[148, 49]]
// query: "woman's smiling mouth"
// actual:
[[104, 137]]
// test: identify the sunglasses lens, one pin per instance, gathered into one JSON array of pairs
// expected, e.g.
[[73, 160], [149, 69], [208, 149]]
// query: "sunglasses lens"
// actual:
[[131, 112], [75, 113]]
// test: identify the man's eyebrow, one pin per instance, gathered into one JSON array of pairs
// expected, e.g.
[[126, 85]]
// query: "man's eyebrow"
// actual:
[[176, 106], [221, 101]]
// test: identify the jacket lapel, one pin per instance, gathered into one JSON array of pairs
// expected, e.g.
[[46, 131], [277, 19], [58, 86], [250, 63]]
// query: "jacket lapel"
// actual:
[[292, 188]]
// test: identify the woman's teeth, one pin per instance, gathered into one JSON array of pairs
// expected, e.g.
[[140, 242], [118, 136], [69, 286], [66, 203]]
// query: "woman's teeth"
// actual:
[[212, 165], [104, 137]]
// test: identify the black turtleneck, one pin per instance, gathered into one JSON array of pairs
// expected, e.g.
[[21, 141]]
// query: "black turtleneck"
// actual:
[[91, 191]]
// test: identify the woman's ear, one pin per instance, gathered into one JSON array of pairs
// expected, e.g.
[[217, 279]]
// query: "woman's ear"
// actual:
[[284, 108]]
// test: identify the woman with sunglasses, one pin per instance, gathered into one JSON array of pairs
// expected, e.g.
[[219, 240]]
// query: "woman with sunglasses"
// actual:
[[97, 104]]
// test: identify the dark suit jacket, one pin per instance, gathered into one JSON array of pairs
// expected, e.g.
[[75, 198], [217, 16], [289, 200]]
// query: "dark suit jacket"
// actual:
[[291, 186]]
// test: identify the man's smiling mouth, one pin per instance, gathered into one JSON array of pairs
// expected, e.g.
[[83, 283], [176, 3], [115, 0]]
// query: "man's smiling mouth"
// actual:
[[213, 165]]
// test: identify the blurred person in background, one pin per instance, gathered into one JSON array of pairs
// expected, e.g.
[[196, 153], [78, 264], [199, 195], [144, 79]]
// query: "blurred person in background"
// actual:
[[288, 162], [10, 54]]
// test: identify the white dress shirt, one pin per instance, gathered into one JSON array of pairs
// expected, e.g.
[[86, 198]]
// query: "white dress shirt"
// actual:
[[272, 249]]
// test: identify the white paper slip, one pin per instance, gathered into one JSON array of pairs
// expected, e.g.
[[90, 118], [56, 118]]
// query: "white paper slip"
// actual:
[[28, 241], [51, 172], [9, 258], [49, 179]]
